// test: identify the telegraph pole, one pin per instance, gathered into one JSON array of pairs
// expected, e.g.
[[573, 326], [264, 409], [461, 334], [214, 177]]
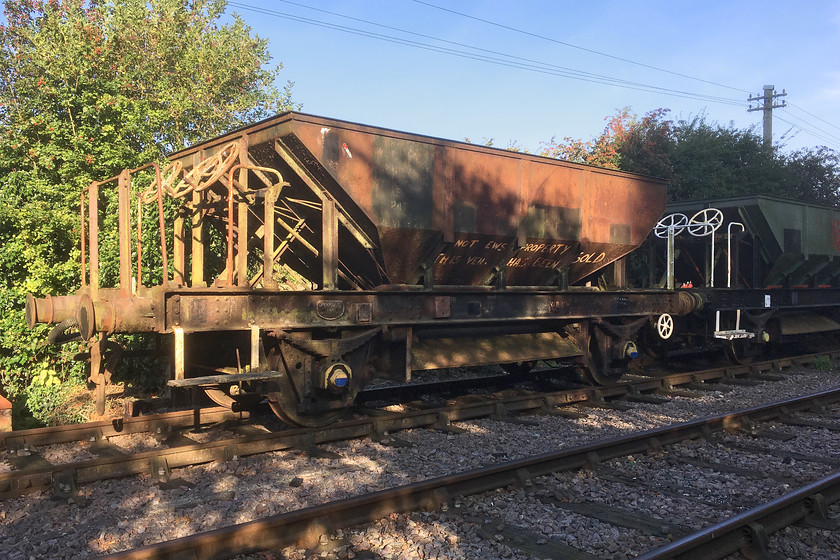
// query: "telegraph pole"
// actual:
[[767, 106]]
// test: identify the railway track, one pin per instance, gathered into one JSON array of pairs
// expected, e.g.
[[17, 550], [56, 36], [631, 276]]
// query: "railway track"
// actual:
[[738, 430], [103, 458]]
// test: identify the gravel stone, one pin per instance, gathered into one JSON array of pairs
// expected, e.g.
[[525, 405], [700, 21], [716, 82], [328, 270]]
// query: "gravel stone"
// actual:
[[120, 514]]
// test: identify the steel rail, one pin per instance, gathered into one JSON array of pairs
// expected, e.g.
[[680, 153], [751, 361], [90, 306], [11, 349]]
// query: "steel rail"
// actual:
[[304, 526], [751, 527], [138, 424], [159, 462], [116, 427]]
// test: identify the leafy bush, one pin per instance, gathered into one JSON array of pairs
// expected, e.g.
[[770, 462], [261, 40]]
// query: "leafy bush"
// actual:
[[67, 402], [25, 358], [83, 96], [821, 363]]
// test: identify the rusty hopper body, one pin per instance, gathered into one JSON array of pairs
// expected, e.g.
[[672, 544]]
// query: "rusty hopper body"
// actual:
[[408, 252], [454, 213]]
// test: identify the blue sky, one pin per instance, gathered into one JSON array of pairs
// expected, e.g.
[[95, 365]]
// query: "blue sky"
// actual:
[[739, 46]]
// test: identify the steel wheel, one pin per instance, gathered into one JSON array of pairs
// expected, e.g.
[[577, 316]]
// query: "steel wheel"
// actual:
[[284, 403], [314, 406], [595, 370], [741, 352], [219, 397]]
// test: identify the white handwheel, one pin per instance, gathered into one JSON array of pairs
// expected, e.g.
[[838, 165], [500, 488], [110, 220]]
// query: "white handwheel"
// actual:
[[705, 222], [665, 326], [675, 221]]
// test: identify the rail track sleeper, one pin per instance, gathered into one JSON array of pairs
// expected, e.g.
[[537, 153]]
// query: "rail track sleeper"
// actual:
[[679, 379], [647, 399], [830, 426], [672, 491], [739, 531], [605, 405], [739, 381], [28, 460], [567, 412], [782, 454], [736, 371], [534, 544], [104, 448], [825, 414], [767, 377], [773, 434], [393, 441], [175, 438], [733, 469], [680, 393], [646, 386], [620, 517], [715, 386]]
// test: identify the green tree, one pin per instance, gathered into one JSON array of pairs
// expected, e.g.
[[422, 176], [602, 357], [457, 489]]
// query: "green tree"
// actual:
[[704, 159], [628, 142], [647, 144], [601, 151], [711, 160], [814, 175], [87, 88]]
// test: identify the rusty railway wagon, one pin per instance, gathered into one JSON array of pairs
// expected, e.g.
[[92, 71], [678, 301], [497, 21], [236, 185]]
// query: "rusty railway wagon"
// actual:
[[766, 268], [411, 253]]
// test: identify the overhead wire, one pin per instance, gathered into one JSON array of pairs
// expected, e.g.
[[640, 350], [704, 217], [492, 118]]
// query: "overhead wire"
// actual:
[[813, 115], [827, 135], [508, 60], [828, 139], [512, 61], [447, 41], [815, 129], [592, 51]]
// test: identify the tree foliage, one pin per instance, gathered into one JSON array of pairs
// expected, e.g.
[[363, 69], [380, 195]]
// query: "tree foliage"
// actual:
[[706, 160], [89, 87]]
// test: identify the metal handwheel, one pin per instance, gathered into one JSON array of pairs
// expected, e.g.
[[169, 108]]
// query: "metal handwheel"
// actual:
[[676, 221], [705, 222], [665, 326]]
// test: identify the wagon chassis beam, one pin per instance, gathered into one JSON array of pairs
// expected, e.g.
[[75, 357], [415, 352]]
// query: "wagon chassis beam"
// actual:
[[203, 310]]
